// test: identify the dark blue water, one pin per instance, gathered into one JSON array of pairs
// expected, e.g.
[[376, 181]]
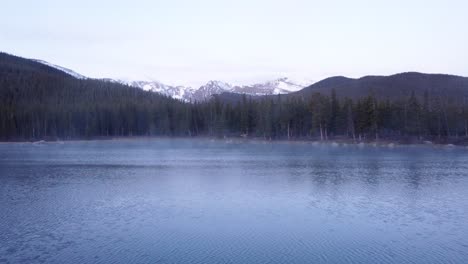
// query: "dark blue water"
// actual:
[[187, 201]]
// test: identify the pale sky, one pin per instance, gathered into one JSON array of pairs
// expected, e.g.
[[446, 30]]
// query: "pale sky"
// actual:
[[239, 41]]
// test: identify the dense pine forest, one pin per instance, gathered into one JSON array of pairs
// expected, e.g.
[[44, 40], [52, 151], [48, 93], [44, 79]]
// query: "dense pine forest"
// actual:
[[40, 102]]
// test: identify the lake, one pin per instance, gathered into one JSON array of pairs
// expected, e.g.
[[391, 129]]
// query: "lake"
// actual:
[[216, 201]]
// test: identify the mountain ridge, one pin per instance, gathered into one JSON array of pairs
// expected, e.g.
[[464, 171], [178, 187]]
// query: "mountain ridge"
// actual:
[[214, 87], [382, 86], [189, 94], [391, 86]]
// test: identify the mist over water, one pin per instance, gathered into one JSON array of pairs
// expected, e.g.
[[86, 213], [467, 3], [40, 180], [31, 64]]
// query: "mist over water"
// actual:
[[210, 201]]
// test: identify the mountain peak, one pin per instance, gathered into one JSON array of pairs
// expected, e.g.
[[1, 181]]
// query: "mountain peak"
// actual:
[[217, 84]]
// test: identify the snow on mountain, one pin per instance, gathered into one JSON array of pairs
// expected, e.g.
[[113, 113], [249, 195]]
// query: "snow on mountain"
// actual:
[[205, 92], [177, 92], [60, 68], [289, 85], [278, 86], [212, 87]]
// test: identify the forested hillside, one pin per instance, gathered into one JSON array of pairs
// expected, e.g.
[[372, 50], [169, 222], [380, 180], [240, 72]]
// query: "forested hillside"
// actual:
[[393, 87], [37, 101], [40, 102]]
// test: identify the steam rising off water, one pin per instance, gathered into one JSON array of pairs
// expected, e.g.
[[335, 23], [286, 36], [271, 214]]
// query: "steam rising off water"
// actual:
[[202, 201]]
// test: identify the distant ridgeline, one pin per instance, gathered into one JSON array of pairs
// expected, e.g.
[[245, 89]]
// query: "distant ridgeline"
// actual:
[[42, 102]]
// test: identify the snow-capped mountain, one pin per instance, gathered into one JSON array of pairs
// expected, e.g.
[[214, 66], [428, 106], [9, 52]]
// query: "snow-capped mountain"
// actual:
[[278, 86], [184, 93], [212, 87], [204, 92], [177, 92], [60, 68]]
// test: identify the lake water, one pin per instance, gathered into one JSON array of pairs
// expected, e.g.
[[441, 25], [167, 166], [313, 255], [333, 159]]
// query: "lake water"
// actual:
[[204, 201]]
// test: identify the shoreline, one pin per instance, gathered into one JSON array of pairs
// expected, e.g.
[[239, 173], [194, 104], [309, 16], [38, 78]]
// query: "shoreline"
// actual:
[[334, 141]]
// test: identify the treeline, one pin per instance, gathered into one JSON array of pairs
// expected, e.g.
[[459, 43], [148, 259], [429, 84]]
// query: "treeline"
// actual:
[[325, 117], [39, 102], [66, 108]]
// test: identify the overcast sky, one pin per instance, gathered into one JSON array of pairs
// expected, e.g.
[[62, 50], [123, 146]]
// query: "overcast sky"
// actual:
[[239, 41]]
